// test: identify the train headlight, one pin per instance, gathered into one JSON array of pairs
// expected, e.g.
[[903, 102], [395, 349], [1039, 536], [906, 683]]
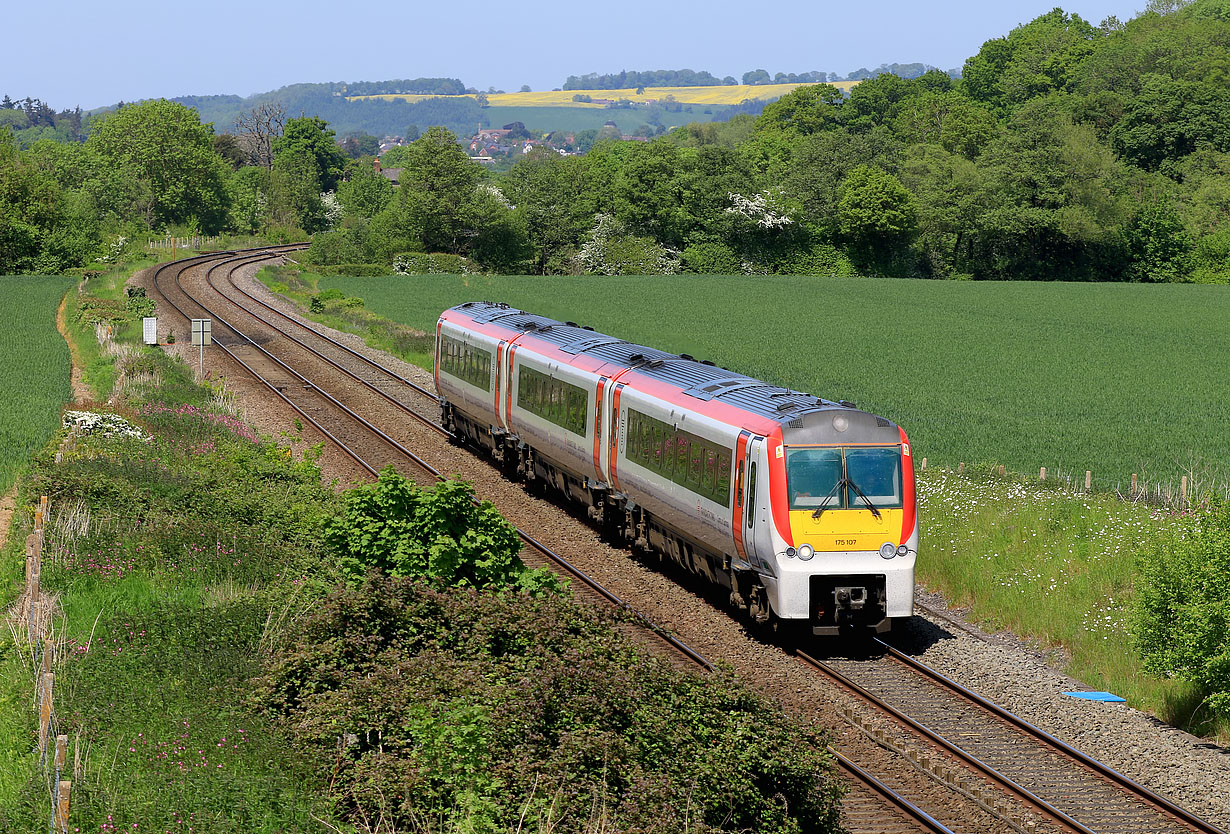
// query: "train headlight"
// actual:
[[903, 550], [791, 552], [806, 552], [840, 423], [888, 550]]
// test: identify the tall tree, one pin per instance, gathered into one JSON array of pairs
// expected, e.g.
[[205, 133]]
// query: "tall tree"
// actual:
[[258, 128], [311, 137], [163, 148]]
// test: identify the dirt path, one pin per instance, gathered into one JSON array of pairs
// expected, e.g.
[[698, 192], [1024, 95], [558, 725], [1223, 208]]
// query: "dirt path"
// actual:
[[81, 391]]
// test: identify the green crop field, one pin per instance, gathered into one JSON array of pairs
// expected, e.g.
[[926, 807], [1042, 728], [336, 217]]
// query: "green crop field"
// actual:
[[576, 118], [1113, 378], [34, 370]]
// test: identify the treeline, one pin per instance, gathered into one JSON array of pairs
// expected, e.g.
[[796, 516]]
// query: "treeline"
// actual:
[[36, 119], [629, 79], [649, 78], [1067, 151]]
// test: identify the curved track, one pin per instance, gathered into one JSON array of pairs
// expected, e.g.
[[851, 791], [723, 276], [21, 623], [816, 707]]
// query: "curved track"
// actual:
[[318, 377]]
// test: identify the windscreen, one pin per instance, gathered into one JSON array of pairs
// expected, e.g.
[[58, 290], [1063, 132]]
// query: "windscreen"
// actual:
[[826, 476]]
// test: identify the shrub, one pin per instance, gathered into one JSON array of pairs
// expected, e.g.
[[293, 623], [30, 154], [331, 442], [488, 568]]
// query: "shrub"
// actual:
[[333, 248], [436, 263], [349, 270], [399, 528], [711, 258], [612, 250], [1181, 611], [493, 712], [821, 259]]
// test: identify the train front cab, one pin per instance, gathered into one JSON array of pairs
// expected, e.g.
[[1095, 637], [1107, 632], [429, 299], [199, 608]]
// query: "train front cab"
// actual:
[[845, 532]]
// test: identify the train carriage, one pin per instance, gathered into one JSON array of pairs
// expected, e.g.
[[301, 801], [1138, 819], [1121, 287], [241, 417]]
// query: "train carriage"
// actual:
[[803, 508]]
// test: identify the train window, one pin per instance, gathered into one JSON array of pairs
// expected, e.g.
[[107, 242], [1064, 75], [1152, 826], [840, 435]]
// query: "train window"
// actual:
[[812, 475], [646, 441], [710, 479], [466, 362], [722, 491], [682, 448], [877, 472], [696, 465], [751, 494], [562, 403]]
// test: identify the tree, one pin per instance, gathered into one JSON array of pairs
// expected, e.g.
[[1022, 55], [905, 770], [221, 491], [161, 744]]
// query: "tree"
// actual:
[[437, 183], [258, 128], [758, 76], [226, 145], [804, 111], [365, 193], [163, 149], [1160, 247], [312, 138], [359, 145], [876, 214], [551, 193]]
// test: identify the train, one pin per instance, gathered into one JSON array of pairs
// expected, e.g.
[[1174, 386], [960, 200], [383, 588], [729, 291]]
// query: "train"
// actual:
[[802, 508]]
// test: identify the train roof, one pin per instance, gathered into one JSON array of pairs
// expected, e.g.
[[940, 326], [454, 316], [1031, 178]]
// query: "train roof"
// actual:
[[699, 379]]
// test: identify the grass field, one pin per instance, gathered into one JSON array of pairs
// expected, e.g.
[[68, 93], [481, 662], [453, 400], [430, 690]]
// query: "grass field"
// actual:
[[1117, 379], [725, 95], [569, 119], [34, 371]]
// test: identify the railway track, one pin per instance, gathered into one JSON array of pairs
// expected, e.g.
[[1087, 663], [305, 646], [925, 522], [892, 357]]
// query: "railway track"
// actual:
[[975, 739], [271, 346]]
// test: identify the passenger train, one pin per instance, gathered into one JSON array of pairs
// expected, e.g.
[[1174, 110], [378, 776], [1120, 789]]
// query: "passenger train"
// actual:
[[802, 507]]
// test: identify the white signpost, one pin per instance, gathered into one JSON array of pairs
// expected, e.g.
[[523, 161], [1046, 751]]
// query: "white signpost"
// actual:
[[149, 330], [201, 336]]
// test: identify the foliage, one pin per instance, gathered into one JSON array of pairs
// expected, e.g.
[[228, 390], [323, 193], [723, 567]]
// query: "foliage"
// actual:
[[1181, 615], [489, 713], [611, 250], [437, 263], [440, 533], [160, 161]]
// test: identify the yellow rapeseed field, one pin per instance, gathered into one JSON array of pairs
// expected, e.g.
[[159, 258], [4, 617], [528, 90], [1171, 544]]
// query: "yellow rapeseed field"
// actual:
[[684, 95]]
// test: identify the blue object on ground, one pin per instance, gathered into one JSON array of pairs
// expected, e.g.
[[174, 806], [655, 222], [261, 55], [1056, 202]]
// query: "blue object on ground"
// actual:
[[1096, 696]]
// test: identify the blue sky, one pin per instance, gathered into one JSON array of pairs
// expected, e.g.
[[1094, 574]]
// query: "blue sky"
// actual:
[[94, 54]]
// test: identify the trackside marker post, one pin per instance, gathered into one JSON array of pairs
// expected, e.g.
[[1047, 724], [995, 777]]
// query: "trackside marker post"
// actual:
[[202, 336]]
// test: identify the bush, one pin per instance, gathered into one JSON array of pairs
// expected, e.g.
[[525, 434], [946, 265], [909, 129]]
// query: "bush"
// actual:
[[333, 248], [397, 527], [353, 270], [821, 259], [1181, 610], [711, 258], [436, 263], [488, 712]]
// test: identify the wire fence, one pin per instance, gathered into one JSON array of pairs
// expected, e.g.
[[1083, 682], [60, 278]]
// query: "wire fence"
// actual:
[[37, 631]]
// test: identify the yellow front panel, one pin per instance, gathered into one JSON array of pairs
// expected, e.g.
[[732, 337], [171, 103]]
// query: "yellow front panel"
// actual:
[[838, 529]]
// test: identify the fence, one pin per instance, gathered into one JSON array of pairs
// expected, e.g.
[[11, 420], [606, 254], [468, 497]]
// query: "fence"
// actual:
[[36, 608], [195, 242], [1178, 495]]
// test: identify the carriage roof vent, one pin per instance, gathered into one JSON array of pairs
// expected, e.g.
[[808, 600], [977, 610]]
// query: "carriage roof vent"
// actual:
[[846, 404], [656, 363], [687, 356], [571, 323]]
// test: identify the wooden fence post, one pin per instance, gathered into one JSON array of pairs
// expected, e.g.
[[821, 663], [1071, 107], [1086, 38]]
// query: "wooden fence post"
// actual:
[[64, 790], [44, 709], [961, 468], [1001, 470], [1133, 492], [924, 464], [1042, 474], [1183, 491], [1088, 479]]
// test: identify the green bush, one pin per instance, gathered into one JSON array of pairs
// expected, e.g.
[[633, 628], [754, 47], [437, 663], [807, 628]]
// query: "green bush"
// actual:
[[711, 258], [349, 270], [399, 528], [1181, 612], [435, 263], [331, 248], [488, 712]]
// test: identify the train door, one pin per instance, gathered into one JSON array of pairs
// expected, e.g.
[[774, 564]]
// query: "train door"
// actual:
[[755, 493]]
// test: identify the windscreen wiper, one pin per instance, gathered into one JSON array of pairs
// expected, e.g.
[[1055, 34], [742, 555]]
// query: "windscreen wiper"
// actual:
[[824, 504], [860, 494]]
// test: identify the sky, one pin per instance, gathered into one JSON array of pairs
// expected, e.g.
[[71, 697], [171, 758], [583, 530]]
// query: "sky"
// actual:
[[95, 54]]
